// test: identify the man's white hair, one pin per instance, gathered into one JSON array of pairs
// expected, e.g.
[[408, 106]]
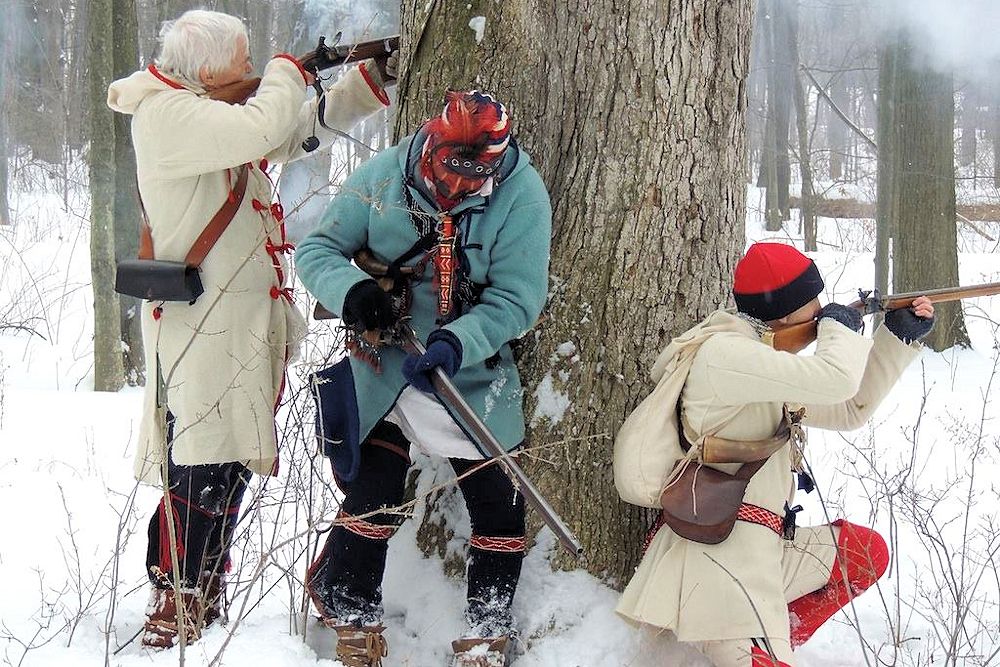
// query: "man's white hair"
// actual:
[[199, 38]]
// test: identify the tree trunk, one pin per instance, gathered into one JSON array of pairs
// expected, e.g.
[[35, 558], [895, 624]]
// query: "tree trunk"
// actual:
[[108, 371], [634, 115], [836, 131], [807, 206], [996, 141], [8, 43], [888, 166], [970, 124], [775, 167], [126, 208], [4, 202], [923, 203]]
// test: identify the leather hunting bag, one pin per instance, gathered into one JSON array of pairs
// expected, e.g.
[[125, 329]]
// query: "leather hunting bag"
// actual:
[[165, 280], [158, 280], [701, 503]]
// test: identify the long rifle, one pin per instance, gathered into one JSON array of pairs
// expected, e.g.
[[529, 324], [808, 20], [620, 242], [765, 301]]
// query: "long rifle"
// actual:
[[797, 336], [321, 58], [450, 396]]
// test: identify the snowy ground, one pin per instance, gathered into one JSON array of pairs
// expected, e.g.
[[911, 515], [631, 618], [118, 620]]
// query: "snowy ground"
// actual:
[[73, 524]]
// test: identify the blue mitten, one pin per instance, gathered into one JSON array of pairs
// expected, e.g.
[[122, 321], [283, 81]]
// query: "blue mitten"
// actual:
[[444, 351]]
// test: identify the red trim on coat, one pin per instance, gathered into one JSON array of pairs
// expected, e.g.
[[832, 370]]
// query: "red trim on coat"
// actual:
[[379, 91], [173, 84], [295, 60]]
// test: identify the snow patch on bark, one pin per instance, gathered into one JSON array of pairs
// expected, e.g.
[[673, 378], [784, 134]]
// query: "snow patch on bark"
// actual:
[[551, 403], [478, 23]]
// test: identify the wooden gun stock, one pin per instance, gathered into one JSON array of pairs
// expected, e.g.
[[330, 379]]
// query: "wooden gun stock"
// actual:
[[796, 337], [321, 58]]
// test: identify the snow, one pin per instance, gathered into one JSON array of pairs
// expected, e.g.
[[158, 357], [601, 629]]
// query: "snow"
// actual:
[[551, 404], [74, 520], [478, 24]]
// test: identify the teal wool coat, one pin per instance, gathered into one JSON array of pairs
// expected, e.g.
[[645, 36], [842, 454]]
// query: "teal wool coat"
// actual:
[[505, 240]]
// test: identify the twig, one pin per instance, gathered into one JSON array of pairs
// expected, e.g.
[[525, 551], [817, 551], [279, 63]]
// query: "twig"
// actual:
[[840, 114]]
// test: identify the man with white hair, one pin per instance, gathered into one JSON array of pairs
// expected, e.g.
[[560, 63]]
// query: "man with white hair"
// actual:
[[217, 363]]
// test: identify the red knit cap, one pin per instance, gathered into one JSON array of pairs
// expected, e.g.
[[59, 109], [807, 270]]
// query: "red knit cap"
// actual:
[[773, 280]]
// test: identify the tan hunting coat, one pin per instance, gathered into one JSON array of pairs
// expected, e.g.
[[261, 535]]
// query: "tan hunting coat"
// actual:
[[736, 389], [222, 360]]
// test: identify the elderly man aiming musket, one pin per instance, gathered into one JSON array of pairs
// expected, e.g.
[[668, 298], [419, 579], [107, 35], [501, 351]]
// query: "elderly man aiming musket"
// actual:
[[217, 360]]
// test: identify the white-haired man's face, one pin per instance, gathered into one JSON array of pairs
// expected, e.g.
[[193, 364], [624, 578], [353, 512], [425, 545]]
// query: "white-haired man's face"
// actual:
[[238, 69]]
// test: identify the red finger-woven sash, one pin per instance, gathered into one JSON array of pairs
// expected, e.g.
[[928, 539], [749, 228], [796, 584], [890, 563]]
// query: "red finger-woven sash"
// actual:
[[761, 517], [444, 264], [372, 531], [501, 544]]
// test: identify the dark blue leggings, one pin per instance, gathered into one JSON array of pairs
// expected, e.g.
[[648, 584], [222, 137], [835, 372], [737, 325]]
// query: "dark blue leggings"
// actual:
[[347, 576]]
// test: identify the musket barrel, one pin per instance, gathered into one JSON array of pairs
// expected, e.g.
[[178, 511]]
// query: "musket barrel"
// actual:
[[942, 294], [449, 394]]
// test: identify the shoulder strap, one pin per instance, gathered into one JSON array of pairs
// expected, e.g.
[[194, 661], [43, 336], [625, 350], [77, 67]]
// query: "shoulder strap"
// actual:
[[213, 230]]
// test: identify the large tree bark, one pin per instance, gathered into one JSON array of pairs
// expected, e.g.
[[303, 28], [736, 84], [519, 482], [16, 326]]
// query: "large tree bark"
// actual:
[[108, 371], [634, 115], [126, 208], [921, 201]]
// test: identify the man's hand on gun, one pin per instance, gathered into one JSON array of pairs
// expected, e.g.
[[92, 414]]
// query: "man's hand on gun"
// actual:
[[444, 351], [370, 306], [913, 323]]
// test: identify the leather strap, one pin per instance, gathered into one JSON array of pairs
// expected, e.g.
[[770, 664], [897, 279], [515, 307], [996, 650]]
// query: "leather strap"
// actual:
[[723, 450], [213, 230]]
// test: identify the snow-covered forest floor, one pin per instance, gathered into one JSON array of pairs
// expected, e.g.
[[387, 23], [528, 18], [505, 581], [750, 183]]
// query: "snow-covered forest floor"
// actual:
[[72, 533]]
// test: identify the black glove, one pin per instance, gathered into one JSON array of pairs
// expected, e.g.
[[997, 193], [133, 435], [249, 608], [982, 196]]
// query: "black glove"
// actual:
[[368, 304], [846, 315], [907, 326]]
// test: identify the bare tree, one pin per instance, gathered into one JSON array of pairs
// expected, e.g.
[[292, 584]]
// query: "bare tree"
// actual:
[[920, 189], [645, 174], [108, 369], [126, 209], [775, 168]]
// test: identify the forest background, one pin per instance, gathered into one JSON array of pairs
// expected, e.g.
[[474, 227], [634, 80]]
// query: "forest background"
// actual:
[[670, 134]]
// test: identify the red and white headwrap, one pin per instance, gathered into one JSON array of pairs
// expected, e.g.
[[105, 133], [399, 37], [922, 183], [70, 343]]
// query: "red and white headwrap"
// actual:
[[465, 145]]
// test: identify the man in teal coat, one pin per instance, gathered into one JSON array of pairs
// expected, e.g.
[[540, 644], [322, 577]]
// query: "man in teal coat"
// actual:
[[463, 221]]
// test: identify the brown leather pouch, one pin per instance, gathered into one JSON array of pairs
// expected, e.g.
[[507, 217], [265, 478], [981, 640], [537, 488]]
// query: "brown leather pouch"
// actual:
[[701, 503]]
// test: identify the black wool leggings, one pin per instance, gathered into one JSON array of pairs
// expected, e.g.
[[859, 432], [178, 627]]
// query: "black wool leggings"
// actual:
[[205, 502], [347, 577]]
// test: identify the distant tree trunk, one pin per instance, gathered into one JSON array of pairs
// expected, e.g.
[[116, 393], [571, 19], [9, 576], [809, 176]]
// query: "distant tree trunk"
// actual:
[[635, 259], [807, 206], [996, 141], [4, 203], [126, 210], [888, 165], [7, 86], [305, 191], [775, 165], [108, 369], [923, 198], [970, 124], [836, 131]]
